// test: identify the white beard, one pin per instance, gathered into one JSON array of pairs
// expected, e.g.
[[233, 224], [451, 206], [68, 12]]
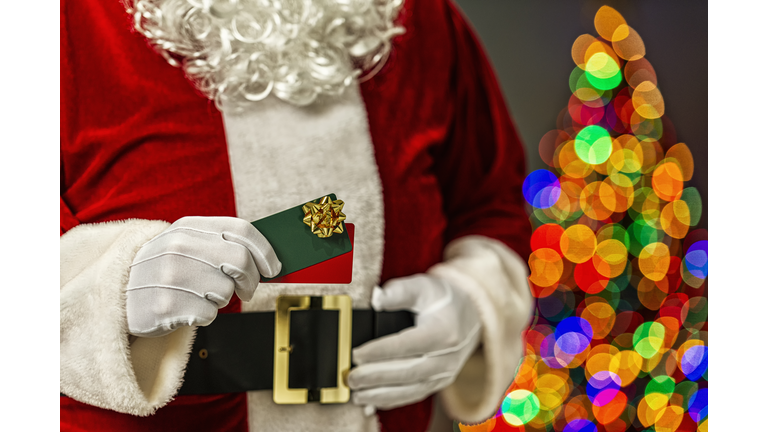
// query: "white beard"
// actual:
[[239, 51]]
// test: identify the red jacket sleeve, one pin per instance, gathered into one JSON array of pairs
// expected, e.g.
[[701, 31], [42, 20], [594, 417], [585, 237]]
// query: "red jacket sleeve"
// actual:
[[482, 166], [68, 220]]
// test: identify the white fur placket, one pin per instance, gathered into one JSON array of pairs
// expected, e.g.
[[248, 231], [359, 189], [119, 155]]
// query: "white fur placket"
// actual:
[[282, 155]]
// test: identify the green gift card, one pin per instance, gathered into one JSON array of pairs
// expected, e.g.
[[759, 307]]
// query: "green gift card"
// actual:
[[295, 244]]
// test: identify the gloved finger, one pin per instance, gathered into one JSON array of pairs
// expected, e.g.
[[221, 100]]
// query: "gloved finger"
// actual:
[[400, 372], [233, 230], [236, 256], [397, 294], [183, 273], [397, 396], [411, 342], [246, 281], [418, 293], [154, 312], [263, 255], [235, 259]]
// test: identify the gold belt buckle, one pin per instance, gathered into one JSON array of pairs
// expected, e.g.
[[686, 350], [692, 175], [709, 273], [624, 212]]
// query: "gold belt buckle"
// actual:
[[281, 393]]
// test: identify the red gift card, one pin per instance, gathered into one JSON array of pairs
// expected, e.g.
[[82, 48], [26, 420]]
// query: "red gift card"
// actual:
[[337, 270]]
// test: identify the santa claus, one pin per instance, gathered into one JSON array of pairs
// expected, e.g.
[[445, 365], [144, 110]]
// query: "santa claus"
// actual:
[[181, 120]]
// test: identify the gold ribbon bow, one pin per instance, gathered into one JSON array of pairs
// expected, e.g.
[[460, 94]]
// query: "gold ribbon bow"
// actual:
[[324, 218]]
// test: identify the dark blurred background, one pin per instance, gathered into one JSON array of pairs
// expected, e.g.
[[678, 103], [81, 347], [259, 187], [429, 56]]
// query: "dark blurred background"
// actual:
[[529, 43]]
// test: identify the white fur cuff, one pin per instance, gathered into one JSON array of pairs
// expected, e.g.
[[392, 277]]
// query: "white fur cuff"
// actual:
[[97, 365], [495, 278]]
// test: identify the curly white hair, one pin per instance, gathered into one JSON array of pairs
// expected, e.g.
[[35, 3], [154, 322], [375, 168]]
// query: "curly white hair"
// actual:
[[239, 51]]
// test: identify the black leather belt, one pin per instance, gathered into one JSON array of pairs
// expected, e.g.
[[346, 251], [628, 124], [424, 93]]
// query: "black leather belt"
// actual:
[[237, 352]]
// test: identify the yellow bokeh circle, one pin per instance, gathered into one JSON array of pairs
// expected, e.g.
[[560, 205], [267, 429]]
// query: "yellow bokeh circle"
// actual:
[[654, 261], [546, 267], [578, 243]]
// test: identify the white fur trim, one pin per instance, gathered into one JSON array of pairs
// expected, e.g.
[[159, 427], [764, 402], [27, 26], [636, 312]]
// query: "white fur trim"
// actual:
[[279, 158], [97, 365], [495, 278]]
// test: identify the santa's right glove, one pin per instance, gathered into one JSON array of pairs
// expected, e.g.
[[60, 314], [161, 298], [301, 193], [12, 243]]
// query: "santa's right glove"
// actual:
[[183, 276]]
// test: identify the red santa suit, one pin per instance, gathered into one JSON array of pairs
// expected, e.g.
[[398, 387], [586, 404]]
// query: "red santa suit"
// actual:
[[424, 155]]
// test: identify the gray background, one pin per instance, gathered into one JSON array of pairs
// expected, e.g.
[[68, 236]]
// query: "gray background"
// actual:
[[529, 43]]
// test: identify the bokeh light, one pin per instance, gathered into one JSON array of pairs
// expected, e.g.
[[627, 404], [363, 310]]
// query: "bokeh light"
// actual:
[[573, 335], [631, 47], [610, 25], [697, 259], [520, 407], [618, 266], [578, 243], [603, 387], [541, 189], [694, 362], [580, 425], [648, 339], [698, 405], [593, 145]]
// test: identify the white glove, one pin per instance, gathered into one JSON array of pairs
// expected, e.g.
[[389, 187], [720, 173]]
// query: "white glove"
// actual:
[[408, 366], [186, 274]]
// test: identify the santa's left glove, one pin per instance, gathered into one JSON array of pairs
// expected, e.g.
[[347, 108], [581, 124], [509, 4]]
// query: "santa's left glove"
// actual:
[[183, 276], [408, 366]]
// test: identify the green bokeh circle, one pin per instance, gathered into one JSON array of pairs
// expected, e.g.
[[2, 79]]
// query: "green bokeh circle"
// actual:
[[661, 384], [603, 72], [593, 145], [648, 339], [520, 407]]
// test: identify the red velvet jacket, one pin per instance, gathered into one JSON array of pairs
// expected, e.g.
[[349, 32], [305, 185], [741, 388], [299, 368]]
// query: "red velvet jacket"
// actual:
[[137, 141]]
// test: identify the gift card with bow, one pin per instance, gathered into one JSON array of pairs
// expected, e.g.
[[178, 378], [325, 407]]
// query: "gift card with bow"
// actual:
[[312, 241]]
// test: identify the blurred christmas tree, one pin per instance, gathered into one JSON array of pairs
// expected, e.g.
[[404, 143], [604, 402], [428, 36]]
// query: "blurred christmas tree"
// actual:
[[619, 337]]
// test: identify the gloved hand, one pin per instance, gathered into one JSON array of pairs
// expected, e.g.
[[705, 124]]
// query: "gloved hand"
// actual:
[[185, 274], [408, 366]]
